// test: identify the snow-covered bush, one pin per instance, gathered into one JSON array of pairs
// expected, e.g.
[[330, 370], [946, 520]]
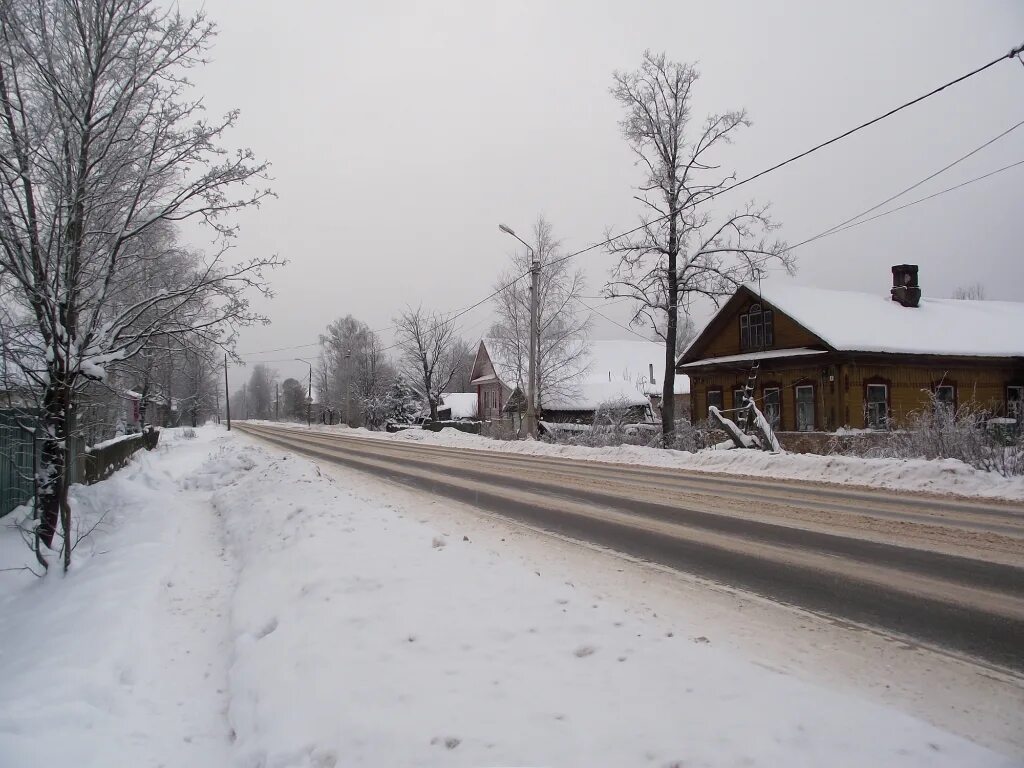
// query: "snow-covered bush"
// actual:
[[695, 437], [400, 404], [940, 431]]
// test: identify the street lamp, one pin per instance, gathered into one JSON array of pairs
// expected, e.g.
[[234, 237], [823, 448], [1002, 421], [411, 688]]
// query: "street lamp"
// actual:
[[531, 413], [309, 397], [348, 410]]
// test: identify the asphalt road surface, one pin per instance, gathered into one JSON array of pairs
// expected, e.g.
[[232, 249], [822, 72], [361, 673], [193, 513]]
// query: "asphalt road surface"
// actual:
[[943, 572]]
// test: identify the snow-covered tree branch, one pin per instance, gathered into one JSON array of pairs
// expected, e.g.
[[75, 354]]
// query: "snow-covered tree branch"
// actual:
[[101, 151]]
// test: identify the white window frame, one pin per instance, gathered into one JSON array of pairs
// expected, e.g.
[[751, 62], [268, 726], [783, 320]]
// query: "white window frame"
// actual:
[[775, 419], [951, 402], [1015, 406], [796, 400], [721, 397], [883, 422]]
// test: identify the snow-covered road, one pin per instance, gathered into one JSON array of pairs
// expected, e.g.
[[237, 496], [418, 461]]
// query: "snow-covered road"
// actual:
[[241, 606]]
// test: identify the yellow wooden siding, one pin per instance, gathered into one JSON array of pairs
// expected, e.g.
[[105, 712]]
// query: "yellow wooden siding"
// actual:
[[787, 335], [840, 402], [910, 385]]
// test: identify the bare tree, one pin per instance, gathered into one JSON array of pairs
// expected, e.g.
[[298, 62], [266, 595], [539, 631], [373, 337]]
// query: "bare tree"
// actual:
[[101, 143], [352, 366], [682, 250], [260, 393], [561, 325], [427, 342], [972, 292], [464, 354], [293, 399]]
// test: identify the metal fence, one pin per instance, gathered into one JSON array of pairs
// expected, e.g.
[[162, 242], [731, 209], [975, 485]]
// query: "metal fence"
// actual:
[[19, 457]]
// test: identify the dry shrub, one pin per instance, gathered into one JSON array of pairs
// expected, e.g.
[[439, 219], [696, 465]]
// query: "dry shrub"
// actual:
[[939, 431]]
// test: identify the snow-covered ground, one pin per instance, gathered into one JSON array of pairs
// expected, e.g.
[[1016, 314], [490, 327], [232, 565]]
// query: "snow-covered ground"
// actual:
[[240, 606], [943, 476]]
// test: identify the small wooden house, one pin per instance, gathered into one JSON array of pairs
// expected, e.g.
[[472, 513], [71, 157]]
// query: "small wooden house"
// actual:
[[829, 359], [623, 372]]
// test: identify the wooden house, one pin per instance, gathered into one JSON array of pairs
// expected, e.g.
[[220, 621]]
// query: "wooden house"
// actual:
[[829, 359], [616, 371]]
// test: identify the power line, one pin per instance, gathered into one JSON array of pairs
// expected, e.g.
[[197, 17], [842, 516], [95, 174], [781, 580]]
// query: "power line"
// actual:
[[841, 225], [1015, 52], [613, 322], [907, 205]]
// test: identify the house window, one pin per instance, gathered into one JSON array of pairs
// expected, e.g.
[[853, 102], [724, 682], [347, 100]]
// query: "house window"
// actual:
[[491, 402], [805, 408], [876, 406], [945, 396], [756, 328], [1015, 402], [773, 406], [715, 398]]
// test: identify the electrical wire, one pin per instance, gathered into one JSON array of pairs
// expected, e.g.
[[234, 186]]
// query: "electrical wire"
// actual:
[[834, 231], [613, 322], [1013, 53]]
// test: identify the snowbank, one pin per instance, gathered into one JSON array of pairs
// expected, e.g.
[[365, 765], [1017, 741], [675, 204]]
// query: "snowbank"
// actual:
[[368, 638], [239, 608], [943, 476]]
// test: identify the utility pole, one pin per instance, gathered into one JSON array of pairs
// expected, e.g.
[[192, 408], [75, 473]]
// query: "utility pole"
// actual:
[[277, 402], [227, 395], [348, 376], [309, 396], [531, 406], [245, 400], [531, 387]]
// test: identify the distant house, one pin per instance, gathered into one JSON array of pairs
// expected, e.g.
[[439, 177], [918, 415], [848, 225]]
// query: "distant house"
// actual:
[[627, 373], [133, 415], [830, 359], [458, 406]]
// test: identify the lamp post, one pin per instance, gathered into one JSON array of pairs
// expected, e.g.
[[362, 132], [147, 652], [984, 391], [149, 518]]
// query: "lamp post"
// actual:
[[531, 413], [309, 396], [348, 374]]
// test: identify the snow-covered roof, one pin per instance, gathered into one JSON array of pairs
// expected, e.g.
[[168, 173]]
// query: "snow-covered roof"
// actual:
[[463, 404], [619, 370], [616, 370], [769, 354], [868, 322]]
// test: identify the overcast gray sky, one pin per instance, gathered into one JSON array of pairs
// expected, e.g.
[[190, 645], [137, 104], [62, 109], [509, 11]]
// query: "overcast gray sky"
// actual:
[[401, 133]]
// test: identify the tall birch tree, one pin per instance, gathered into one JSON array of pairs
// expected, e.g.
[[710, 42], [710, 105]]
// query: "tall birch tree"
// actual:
[[684, 247]]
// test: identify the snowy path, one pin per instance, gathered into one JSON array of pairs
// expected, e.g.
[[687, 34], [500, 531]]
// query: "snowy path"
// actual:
[[125, 661], [357, 626]]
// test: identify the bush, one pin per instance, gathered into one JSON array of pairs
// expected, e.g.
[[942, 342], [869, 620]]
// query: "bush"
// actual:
[[939, 431], [615, 423]]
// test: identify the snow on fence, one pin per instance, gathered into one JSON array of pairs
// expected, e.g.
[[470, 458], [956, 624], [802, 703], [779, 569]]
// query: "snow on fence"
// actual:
[[100, 461], [19, 457]]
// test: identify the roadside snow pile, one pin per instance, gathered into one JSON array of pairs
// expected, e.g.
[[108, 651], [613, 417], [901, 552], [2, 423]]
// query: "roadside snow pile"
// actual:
[[364, 637], [942, 476], [239, 608]]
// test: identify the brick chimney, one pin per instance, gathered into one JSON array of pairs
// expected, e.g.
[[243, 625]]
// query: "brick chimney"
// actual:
[[905, 289]]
